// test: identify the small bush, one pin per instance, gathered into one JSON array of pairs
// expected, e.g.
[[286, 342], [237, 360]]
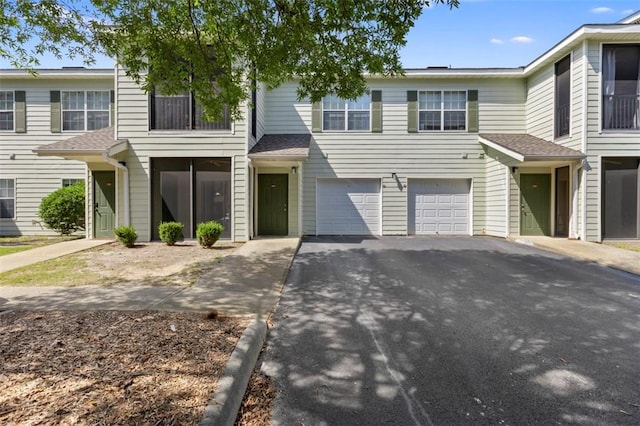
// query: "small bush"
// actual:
[[126, 235], [208, 233], [63, 210], [170, 232]]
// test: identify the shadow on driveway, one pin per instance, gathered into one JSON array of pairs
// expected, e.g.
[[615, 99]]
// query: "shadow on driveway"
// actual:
[[451, 331]]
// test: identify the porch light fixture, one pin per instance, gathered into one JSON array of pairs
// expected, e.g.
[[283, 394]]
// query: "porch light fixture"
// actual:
[[294, 170], [394, 175], [514, 169]]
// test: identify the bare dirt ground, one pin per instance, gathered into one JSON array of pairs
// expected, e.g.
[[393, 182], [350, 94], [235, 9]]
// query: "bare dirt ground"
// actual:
[[95, 368], [151, 263]]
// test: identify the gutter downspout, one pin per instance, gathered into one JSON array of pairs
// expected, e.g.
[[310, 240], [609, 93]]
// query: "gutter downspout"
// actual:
[[585, 129], [125, 174]]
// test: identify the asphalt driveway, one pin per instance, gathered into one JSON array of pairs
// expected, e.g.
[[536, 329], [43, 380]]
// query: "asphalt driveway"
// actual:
[[453, 331]]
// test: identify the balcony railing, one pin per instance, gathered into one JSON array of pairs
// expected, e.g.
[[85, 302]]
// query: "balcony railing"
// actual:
[[562, 120], [621, 112]]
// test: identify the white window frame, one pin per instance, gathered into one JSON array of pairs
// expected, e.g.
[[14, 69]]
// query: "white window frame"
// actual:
[[64, 182], [13, 110], [442, 110], [85, 110], [14, 198], [346, 111]]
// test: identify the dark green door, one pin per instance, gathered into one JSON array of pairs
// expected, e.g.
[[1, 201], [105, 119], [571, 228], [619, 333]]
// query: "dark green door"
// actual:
[[104, 204], [535, 208], [272, 204]]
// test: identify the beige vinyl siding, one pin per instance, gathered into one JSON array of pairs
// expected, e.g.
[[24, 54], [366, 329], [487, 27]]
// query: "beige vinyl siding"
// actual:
[[608, 143], [540, 103], [514, 204], [419, 155], [409, 156], [35, 177], [496, 193], [292, 201], [145, 144]]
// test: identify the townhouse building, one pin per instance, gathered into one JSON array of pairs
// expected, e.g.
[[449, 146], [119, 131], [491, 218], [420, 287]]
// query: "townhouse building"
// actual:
[[551, 148]]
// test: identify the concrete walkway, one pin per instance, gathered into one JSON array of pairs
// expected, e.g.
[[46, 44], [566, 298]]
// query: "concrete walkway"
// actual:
[[247, 282], [613, 257], [52, 251]]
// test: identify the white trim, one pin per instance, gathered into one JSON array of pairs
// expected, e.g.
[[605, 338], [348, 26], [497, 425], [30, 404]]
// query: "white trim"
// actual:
[[15, 198], [552, 202], [300, 191], [442, 111], [85, 110], [573, 218], [582, 233], [233, 195], [502, 149], [599, 200], [115, 102], [13, 102], [507, 203], [345, 109], [471, 210], [315, 208]]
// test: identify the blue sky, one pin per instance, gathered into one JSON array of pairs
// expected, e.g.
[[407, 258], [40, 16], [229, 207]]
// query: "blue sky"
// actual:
[[481, 33], [502, 33]]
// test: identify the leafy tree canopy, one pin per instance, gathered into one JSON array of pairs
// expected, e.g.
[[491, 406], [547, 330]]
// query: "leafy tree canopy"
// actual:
[[186, 45]]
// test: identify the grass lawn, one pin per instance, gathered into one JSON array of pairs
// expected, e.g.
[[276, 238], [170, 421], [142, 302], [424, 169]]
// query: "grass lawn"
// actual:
[[631, 245]]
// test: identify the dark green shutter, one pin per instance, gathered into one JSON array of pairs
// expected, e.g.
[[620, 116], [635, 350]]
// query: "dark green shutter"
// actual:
[[412, 111], [376, 111], [472, 110], [113, 107], [316, 117], [56, 118], [20, 118]]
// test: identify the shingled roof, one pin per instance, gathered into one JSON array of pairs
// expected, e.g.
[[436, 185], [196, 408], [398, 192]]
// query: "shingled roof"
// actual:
[[271, 146], [524, 147], [95, 142]]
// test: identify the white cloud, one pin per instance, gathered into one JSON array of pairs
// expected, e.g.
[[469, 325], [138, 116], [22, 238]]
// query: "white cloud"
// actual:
[[496, 41], [601, 10], [522, 39], [628, 12]]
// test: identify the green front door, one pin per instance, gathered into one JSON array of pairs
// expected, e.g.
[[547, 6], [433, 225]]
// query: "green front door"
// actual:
[[535, 208], [272, 204], [104, 204]]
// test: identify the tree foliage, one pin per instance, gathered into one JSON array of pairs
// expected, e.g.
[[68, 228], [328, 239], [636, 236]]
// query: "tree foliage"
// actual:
[[64, 210], [187, 45]]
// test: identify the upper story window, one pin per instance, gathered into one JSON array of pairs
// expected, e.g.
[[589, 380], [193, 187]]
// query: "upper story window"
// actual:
[[85, 110], [7, 199], [621, 87], [442, 110], [345, 115], [6, 110], [182, 112], [562, 72]]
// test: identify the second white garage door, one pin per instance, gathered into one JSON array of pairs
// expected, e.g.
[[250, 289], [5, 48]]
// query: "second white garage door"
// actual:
[[439, 206], [348, 207]]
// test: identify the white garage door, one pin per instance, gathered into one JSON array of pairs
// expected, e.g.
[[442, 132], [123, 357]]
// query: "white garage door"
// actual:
[[348, 207], [439, 206]]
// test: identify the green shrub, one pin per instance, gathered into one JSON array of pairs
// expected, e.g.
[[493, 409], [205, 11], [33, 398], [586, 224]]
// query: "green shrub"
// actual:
[[170, 232], [208, 233], [127, 235], [63, 210]]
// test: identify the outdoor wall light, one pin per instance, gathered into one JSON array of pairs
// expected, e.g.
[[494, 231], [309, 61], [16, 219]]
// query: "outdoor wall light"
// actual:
[[294, 170], [514, 169], [394, 175]]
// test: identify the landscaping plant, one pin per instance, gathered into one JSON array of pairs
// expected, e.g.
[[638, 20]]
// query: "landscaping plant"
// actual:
[[127, 235], [170, 232], [208, 233], [63, 210]]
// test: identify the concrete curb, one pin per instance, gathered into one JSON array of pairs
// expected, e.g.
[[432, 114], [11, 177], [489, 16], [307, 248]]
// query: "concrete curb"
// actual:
[[223, 407]]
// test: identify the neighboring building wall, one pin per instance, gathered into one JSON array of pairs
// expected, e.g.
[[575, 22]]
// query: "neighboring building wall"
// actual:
[[133, 124], [409, 155], [601, 143], [35, 177]]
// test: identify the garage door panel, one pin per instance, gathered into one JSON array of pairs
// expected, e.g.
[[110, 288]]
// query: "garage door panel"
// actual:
[[348, 206], [439, 206]]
